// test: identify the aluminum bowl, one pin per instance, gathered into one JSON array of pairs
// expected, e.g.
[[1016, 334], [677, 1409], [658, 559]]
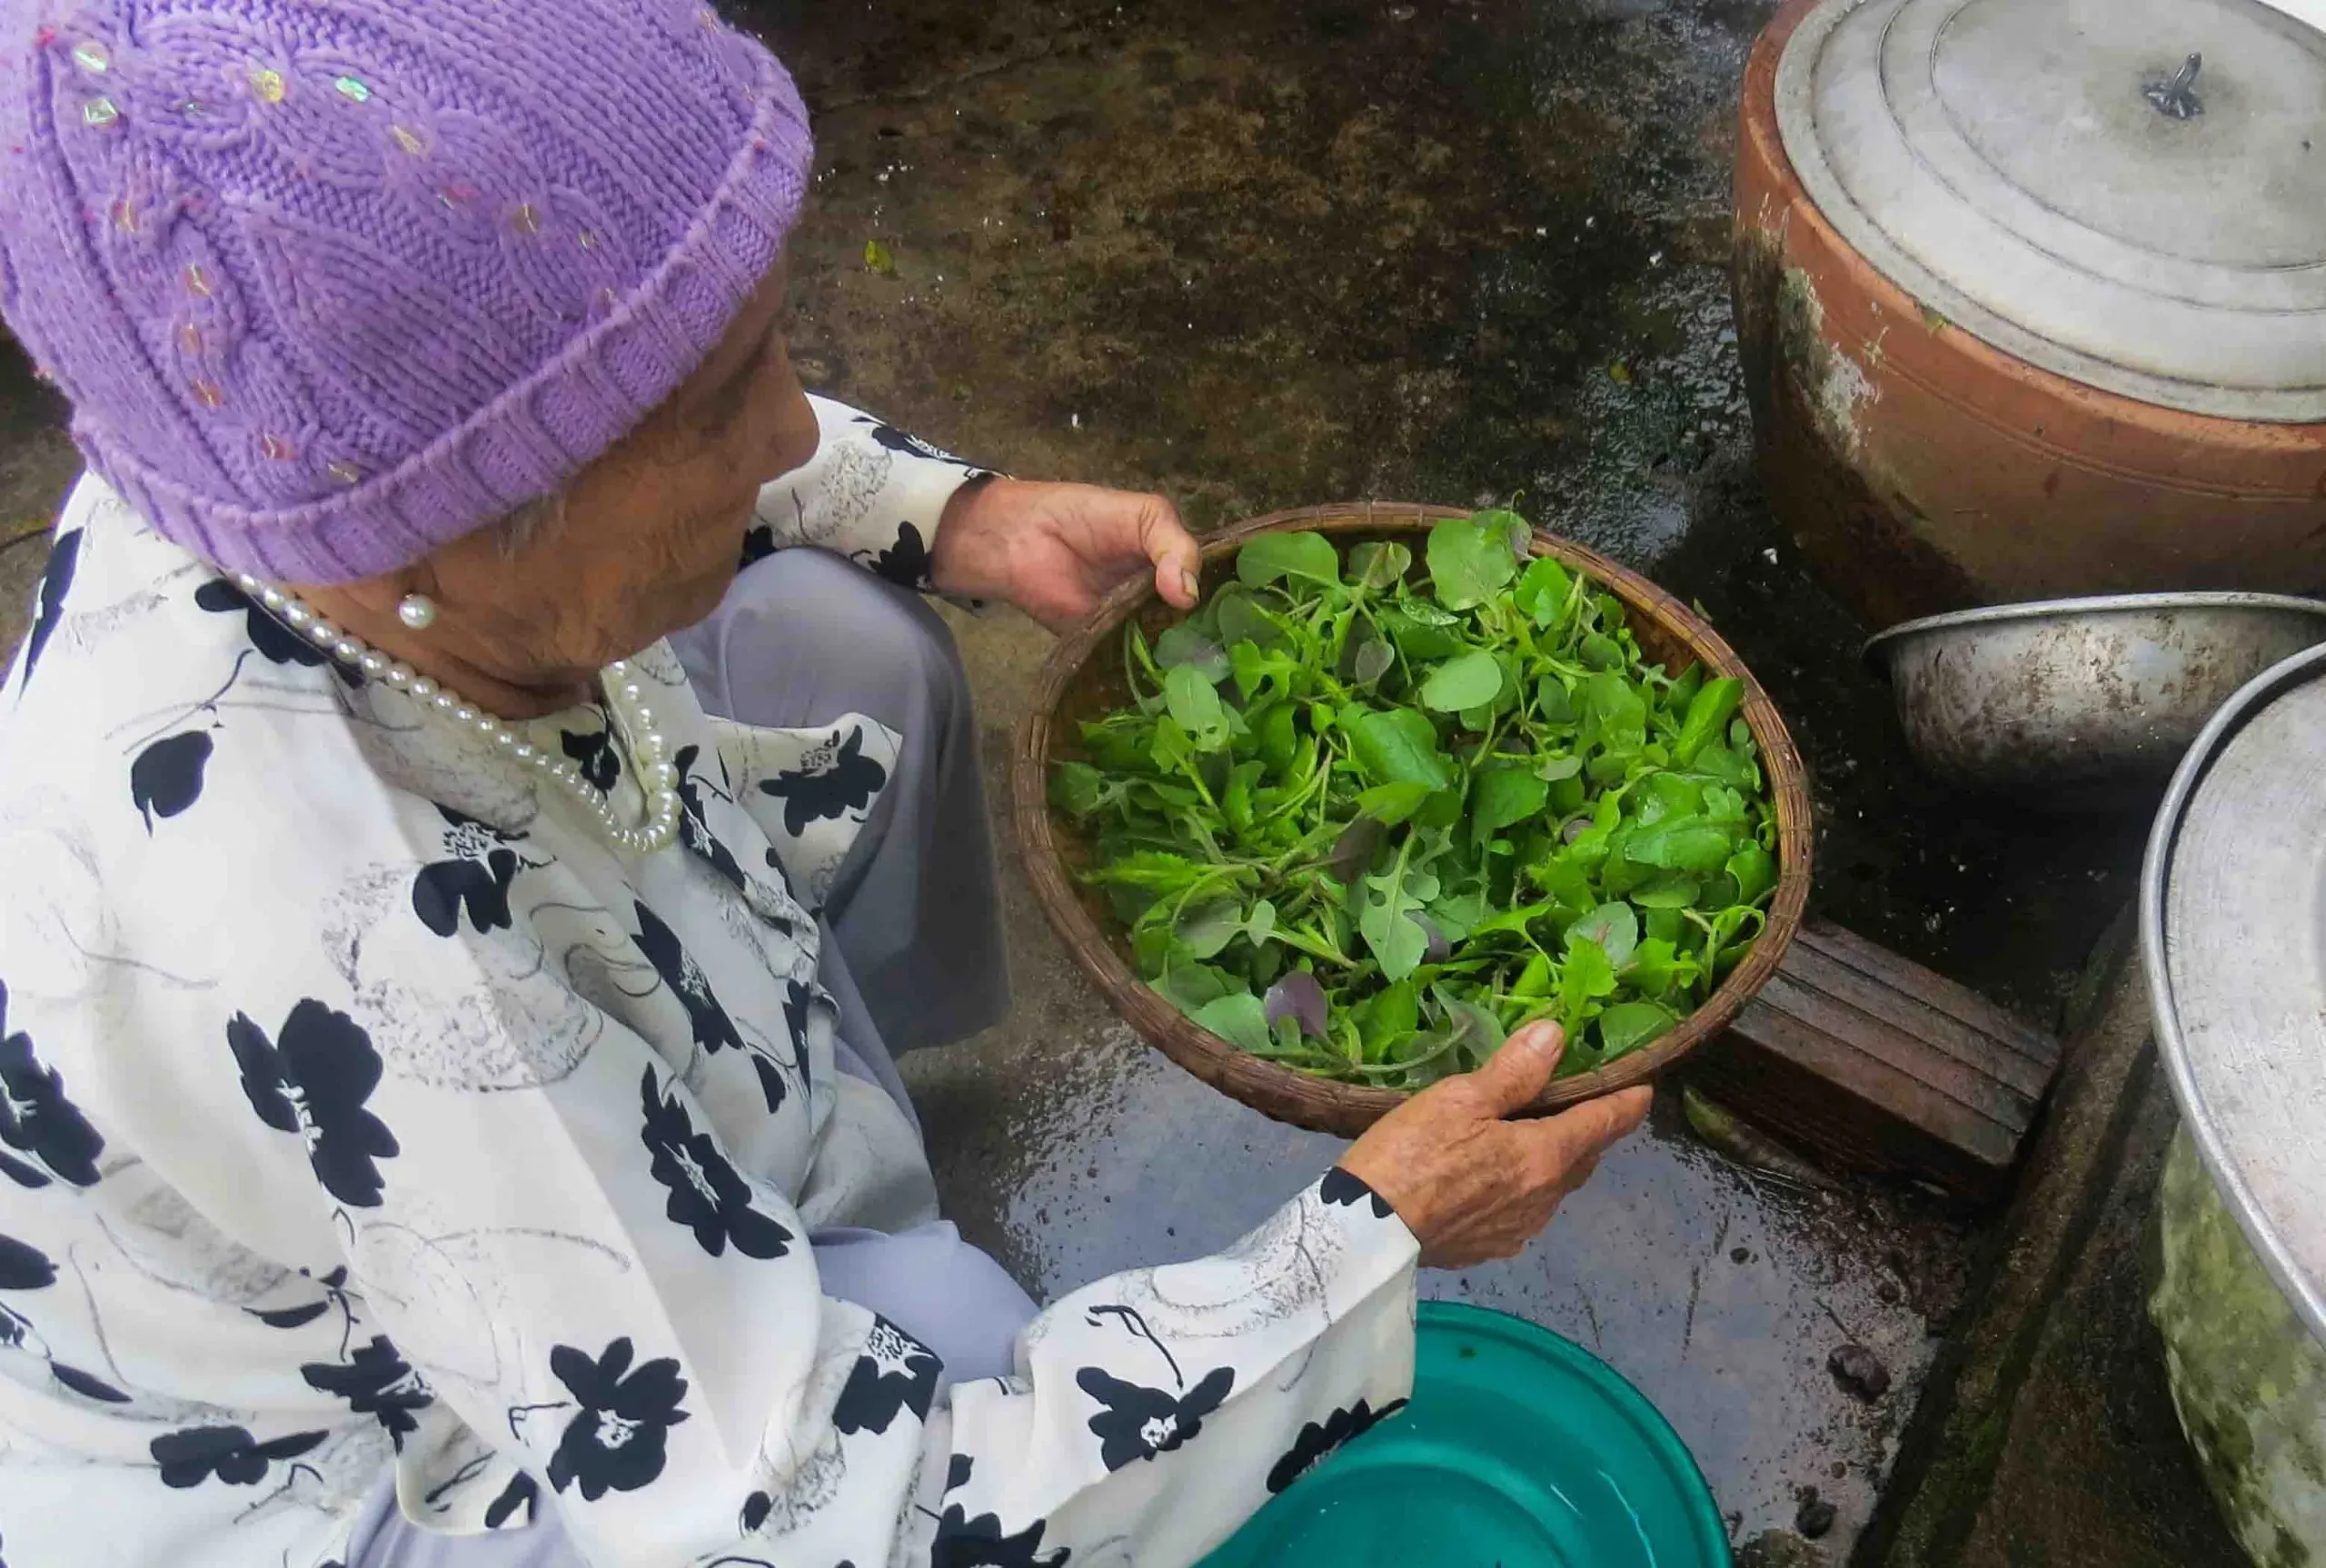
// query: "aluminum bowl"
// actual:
[[2081, 704]]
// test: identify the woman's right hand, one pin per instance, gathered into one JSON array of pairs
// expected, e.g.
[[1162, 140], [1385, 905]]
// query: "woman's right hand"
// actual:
[[1471, 1187]]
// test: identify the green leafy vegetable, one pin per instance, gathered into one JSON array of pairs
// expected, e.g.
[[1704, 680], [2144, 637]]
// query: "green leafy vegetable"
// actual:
[[1466, 680], [1365, 820], [1272, 556], [1469, 562]]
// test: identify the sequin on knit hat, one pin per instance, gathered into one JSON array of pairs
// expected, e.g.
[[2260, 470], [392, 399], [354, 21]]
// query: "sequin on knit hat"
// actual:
[[331, 285]]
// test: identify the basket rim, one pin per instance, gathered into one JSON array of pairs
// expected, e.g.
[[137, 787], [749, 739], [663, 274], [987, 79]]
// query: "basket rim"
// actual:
[[1324, 1104]]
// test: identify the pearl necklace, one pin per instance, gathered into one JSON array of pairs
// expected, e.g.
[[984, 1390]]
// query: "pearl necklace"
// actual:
[[625, 700]]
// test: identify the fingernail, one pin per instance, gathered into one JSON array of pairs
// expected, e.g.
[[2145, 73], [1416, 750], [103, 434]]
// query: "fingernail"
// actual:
[[1187, 584]]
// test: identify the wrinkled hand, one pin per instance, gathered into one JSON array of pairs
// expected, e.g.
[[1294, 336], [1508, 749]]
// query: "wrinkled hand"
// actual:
[[1054, 551], [1471, 1187]]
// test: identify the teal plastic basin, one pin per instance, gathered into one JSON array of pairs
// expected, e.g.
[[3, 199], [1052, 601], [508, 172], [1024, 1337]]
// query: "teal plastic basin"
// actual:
[[1519, 1450]]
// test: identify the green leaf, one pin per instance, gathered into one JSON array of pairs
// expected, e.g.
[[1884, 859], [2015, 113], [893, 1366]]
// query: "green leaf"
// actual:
[[1381, 563], [1708, 714], [1756, 870], [1152, 869], [1666, 890], [1682, 843], [1268, 557], [1241, 620], [1612, 928], [1260, 927], [1657, 967], [1173, 750], [1542, 592], [1187, 643], [1080, 789], [877, 259], [1241, 1018], [1459, 914], [1475, 1033], [1551, 770], [1191, 986], [1192, 702], [1616, 706], [1397, 746], [1468, 681], [1235, 804], [1418, 640], [1535, 979], [1502, 796], [1390, 804], [1627, 1025], [1510, 920], [1602, 652], [1280, 741], [1207, 925], [1367, 656], [1390, 1018], [1584, 976], [1391, 898], [1468, 563]]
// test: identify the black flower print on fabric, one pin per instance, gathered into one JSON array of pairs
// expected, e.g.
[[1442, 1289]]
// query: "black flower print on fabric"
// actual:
[[1320, 1438], [49, 609], [37, 1119], [475, 876], [896, 1372], [1139, 1423], [617, 1439], [895, 440], [24, 1266], [1136, 1423], [708, 1195], [522, 1493], [694, 828], [849, 784], [228, 1453], [276, 642], [799, 1003], [166, 777], [315, 1083], [1345, 1190], [595, 752], [335, 1294], [905, 563], [375, 1382], [962, 1542], [713, 1030]]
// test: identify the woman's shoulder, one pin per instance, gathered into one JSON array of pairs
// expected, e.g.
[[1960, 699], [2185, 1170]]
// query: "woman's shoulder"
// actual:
[[142, 668], [186, 788]]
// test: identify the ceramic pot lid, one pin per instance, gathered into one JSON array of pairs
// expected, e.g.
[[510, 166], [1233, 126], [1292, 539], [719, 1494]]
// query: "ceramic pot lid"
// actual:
[[2233, 938], [2131, 194]]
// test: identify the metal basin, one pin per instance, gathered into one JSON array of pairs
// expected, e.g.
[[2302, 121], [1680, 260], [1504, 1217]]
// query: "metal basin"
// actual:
[[2081, 704]]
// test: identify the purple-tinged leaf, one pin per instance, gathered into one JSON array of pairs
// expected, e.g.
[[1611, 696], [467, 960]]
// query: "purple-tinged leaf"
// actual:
[[1297, 996]]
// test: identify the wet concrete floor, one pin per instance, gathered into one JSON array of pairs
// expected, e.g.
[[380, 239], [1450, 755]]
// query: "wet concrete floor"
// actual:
[[1258, 255]]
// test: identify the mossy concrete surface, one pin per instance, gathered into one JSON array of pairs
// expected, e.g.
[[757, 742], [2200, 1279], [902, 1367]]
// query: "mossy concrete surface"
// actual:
[[2049, 1440]]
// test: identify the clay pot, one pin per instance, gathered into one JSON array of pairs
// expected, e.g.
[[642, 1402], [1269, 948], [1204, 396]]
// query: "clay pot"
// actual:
[[1922, 470]]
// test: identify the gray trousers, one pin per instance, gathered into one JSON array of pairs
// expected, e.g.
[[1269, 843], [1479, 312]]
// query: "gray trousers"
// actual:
[[912, 949]]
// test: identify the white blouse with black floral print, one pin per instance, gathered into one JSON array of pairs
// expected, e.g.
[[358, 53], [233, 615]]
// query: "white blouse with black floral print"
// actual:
[[361, 1110]]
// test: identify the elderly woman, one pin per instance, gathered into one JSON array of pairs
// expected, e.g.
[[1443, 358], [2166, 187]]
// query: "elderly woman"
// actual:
[[458, 919]]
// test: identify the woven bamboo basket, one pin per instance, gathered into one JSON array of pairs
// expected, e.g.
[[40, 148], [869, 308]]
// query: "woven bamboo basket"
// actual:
[[1084, 679]]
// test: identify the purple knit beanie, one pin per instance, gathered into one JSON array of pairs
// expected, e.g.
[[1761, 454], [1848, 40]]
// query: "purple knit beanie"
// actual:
[[330, 282]]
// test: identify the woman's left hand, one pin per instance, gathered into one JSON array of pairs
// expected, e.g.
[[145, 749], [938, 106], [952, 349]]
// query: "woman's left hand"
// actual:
[[1055, 550]]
